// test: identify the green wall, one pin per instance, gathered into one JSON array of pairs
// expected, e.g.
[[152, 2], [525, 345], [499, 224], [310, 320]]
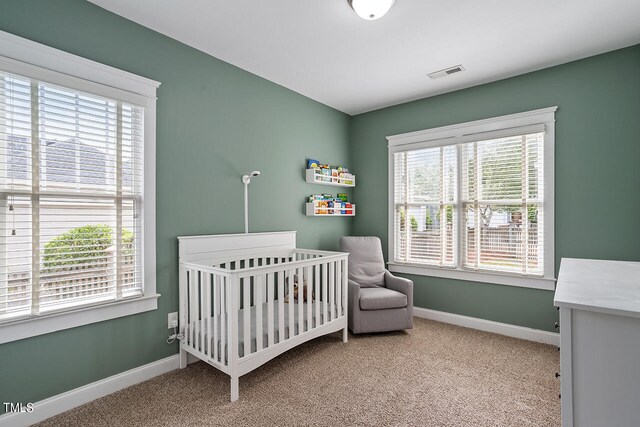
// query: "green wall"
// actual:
[[215, 122], [597, 185]]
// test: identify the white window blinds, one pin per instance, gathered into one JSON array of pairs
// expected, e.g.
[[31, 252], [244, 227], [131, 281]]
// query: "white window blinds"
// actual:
[[70, 198], [502, 204], [476, 204], [425, 184]]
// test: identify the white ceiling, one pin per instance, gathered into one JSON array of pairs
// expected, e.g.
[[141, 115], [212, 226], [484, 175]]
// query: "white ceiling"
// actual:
[[322, 49]]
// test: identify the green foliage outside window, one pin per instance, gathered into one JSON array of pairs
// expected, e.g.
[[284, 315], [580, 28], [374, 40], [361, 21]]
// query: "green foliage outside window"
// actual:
[[83, 245], [428, 221], [449, 214], [532, 214], [414, 223]]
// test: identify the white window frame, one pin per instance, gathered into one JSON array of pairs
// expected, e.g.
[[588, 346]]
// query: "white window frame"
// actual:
[[468, 132], [26, 58]]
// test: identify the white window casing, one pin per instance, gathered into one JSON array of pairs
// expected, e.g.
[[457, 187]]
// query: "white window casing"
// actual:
[[475, 201], [77, 148]]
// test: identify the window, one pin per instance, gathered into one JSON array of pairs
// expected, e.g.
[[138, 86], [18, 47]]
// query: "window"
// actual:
[[475, 201], [74, 196]]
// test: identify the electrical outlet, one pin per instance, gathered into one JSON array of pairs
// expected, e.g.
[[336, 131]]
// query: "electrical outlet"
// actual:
[[172, 319]]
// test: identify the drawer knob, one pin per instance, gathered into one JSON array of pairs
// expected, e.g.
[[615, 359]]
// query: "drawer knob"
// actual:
[[556, 325], [557, 374]]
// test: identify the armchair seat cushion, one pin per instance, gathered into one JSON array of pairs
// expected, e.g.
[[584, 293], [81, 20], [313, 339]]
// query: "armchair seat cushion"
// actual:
[[379, 298]]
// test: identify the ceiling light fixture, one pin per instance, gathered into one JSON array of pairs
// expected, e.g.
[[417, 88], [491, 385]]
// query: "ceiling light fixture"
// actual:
[[371, 9]]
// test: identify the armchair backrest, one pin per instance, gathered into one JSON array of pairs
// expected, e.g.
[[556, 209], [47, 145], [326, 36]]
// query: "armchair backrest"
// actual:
[[366, 262]]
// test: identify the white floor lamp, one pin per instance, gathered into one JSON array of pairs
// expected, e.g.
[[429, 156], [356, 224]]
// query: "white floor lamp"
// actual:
[[246, 180]]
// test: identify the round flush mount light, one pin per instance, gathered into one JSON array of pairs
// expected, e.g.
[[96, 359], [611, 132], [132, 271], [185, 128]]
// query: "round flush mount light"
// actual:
[[371, 9]]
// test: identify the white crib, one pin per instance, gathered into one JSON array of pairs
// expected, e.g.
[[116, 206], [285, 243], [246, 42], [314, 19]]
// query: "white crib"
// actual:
[[232, 296]]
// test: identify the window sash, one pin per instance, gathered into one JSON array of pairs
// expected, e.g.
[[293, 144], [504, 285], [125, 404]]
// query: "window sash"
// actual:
[[425, 181], [127, 124], [494, 171]]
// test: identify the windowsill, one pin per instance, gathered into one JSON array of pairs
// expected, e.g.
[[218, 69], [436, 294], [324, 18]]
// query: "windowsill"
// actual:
[[475, 276], [58, 321]]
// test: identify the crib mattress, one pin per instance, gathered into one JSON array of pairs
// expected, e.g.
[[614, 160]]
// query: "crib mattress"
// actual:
[[254, 336]]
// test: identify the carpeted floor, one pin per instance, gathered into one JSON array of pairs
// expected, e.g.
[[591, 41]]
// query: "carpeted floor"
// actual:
[[434, 375]]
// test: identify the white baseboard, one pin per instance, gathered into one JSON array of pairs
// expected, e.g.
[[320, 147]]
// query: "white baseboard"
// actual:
[[63, 402], [521, 332]]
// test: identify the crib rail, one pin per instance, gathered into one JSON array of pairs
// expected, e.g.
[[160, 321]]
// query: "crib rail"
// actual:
[[239, 313]]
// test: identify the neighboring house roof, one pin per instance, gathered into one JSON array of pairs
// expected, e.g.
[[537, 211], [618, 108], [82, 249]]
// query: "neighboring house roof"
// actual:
[[89, 163], [70, 161]]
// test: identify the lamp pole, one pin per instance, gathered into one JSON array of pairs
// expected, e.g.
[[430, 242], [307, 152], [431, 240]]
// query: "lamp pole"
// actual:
[[246, 204], [246, 180]]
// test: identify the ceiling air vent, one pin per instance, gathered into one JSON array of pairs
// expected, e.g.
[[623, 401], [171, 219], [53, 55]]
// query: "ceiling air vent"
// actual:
[[446, 72]]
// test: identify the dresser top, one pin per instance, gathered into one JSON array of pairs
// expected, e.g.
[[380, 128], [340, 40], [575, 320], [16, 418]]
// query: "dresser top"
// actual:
[[597, 285]]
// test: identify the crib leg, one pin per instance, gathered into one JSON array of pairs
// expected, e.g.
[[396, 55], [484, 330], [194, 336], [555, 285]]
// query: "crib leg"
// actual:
[[183, 359], [345, 334], [235, 389]]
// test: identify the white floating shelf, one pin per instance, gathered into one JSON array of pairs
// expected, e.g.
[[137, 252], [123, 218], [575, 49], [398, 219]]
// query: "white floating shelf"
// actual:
[[312, 210], [313, 177]]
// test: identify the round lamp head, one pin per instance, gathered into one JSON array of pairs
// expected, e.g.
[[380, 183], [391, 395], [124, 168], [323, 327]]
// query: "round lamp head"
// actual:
[[246, 179]]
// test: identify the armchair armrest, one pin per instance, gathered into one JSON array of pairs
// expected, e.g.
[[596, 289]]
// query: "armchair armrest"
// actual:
[[354, 291], [400, 284], [353, 306]]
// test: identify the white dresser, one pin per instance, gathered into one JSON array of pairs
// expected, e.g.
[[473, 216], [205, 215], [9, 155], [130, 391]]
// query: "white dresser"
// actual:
[[599, 305]]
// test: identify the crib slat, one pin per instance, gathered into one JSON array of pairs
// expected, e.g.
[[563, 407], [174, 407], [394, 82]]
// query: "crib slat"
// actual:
[[184, 304], [196, 308], [316, 284], [290, 296], [339, 287], [224, 296], [263, 262], [309, 290], [209, 313], [280, 306], [201, 321], [246, 289], [332, 283], [192, 279], [258, 303], [270, 309], [325, 297], [206, 314], [216, 313], [189, 296], [300, 301]]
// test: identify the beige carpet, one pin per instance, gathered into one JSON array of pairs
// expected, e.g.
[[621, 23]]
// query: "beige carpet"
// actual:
[[434, 375]]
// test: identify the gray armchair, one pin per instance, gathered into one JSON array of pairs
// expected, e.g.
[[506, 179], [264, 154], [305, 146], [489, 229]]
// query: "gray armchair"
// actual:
[[378, 300]]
